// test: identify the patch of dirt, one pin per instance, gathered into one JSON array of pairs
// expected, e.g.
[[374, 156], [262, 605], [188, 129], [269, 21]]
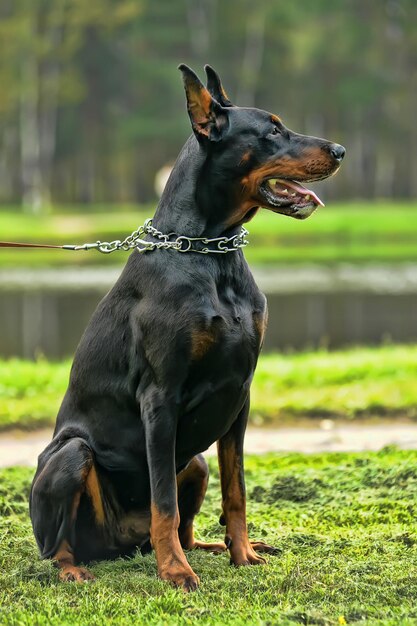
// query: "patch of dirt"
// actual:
[[22, 448], [288, 488]]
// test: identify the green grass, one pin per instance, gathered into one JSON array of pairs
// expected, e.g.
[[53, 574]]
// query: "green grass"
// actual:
[[344, 526], [349, 384], [354, 232]]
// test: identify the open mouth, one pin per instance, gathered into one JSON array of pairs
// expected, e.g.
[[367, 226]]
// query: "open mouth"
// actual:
[[289, 197]]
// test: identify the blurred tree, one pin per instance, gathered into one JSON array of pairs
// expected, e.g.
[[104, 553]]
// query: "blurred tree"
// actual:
[[92, 105], [54, 59]]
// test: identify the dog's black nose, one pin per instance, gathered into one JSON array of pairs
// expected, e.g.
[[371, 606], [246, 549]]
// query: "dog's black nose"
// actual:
[[337, 151]]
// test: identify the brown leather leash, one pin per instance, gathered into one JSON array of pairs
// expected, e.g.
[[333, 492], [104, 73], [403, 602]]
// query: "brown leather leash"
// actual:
[[130, 242], [14, 244]]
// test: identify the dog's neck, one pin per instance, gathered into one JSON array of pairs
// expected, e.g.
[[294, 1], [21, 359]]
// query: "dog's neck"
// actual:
[[187, 206]]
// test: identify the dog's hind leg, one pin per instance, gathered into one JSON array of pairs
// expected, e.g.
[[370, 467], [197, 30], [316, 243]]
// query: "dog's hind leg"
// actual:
[[66, 471], [192, 486]]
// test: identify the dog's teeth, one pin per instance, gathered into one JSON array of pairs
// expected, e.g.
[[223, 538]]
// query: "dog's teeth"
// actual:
[[273, 181], [284, 191], [293, 194], [308, 196]]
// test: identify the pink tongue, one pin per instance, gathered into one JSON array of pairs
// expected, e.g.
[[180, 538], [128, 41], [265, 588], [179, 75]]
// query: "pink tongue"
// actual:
[[291, 184]]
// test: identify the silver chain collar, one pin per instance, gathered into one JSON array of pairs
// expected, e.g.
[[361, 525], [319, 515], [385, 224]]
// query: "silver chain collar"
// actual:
[[172, 241]]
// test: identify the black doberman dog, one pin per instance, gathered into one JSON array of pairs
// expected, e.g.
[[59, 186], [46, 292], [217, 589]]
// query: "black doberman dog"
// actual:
[[164, 368]]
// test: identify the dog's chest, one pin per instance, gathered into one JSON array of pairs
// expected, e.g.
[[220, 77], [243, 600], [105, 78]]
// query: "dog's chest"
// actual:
[[224, 348], [233, 322], [230, 328]]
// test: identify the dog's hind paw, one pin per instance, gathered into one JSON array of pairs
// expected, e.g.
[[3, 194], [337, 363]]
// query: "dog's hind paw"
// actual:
[[215, 548], [261, 546], [246, 552]]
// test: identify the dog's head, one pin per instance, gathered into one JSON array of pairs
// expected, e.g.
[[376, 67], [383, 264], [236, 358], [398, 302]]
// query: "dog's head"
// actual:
[[253, 150]]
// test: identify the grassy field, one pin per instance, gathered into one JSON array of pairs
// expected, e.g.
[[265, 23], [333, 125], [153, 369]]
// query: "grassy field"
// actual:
[[354, 383], [344, 526], [352, 232]]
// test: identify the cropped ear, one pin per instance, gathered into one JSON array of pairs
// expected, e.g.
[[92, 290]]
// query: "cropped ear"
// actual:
[[215, 87], [208, 118]]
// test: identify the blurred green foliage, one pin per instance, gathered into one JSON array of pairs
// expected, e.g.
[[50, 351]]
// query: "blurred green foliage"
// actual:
[[354, 383]]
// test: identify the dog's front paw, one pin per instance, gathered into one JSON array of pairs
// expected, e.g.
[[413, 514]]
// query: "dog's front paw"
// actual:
[[181, 577], [243, 552], [71, 573], [245, 557]]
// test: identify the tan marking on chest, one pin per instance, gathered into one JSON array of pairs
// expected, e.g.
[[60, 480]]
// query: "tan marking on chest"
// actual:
[[201, 342], [260, 321]]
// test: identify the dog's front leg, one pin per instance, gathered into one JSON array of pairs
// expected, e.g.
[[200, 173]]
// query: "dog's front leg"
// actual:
[[230, 453], [159, 417]]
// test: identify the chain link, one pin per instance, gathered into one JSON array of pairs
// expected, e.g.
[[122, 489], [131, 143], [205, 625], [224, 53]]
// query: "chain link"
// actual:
[[180, 243]]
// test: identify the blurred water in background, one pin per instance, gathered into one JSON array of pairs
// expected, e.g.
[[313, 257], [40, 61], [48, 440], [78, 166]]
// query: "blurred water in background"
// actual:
[[44, 312]]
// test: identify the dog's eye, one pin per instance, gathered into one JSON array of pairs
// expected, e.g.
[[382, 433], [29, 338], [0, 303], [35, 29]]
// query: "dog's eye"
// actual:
[[275, 131]]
